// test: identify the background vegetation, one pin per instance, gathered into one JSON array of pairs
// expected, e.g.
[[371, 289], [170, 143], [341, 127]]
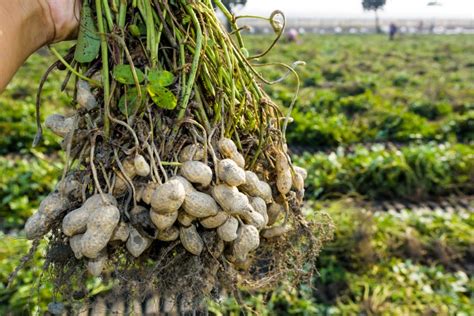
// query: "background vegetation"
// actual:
[[375, 120]]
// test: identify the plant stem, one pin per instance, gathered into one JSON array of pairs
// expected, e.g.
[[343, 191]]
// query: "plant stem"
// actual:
[[122, 14], [150, 29], [195, 64], [231, 20], [108, 15], [105, 67], [71, 69]]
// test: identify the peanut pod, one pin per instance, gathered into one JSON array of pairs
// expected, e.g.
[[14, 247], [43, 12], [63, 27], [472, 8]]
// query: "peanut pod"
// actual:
[[100, 227], [197, 172], [75, 222], [168, 197], [191, 240], [200, 205]]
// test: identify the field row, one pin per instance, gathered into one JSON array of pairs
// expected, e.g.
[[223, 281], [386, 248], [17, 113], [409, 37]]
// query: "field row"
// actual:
[[412, 172], [365, 89]]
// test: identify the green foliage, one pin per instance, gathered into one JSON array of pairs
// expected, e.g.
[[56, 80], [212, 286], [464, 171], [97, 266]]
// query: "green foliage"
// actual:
[[374, 90], [411, 172], [160, 78], [406, 263], [124, 74], [29, 292], [430, 110], [23, 183], [162, 97], [128, 102]]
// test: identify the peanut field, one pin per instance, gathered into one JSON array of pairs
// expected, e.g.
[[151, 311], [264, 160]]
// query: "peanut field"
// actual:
[[386, 132]]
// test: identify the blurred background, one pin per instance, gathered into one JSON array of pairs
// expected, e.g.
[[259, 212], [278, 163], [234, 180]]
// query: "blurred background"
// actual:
[[384, 123]]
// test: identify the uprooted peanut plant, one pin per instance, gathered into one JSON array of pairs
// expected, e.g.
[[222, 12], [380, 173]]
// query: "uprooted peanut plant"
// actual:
[[178, 176]]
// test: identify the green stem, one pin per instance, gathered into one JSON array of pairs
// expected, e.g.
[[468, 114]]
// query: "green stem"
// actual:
[[150, 29], [202, 109], [105, 66], [182, 59], [196, 59], [108, 15], [71, 69], [231, 19], [122, 14], [194, 67]]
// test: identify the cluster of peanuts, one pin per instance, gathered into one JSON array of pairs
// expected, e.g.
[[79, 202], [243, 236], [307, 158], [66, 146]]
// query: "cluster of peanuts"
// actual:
[[234, 202]]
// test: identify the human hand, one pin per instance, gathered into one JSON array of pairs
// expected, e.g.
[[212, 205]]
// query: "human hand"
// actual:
[[65, 18], [27, 25]]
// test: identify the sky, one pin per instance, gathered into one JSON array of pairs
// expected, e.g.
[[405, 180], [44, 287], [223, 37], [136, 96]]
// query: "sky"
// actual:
[[459, 9]]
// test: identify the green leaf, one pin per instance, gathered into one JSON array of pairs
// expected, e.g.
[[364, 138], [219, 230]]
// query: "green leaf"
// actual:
[[124, 74], [88, 41], [162, 97], [161, 78], [128, 103]]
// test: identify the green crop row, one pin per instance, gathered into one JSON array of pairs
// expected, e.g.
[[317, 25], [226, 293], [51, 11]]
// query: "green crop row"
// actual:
[[357, 119], [23, 183], [411, 172], [365, 89]]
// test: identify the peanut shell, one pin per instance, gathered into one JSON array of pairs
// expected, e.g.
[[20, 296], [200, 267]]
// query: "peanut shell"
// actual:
[[260, 207], [226, 147], [214, 221], [96, 266], [254, 187], [148, 192], [197, 172], [142, 167], [163, 221], [230, 172], [100, 228], [75, 244], [228, 230], [284, 181], [136, 243], [191, 240], [188, 187], [230, 199], [200, 205], [168, 197], [274, 211], [275, 231], [192, 152], [53, 206], [185, 219], [239, 159], [59, 124], [248, 240], [301, 171], [169, 234], [121, 232]]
